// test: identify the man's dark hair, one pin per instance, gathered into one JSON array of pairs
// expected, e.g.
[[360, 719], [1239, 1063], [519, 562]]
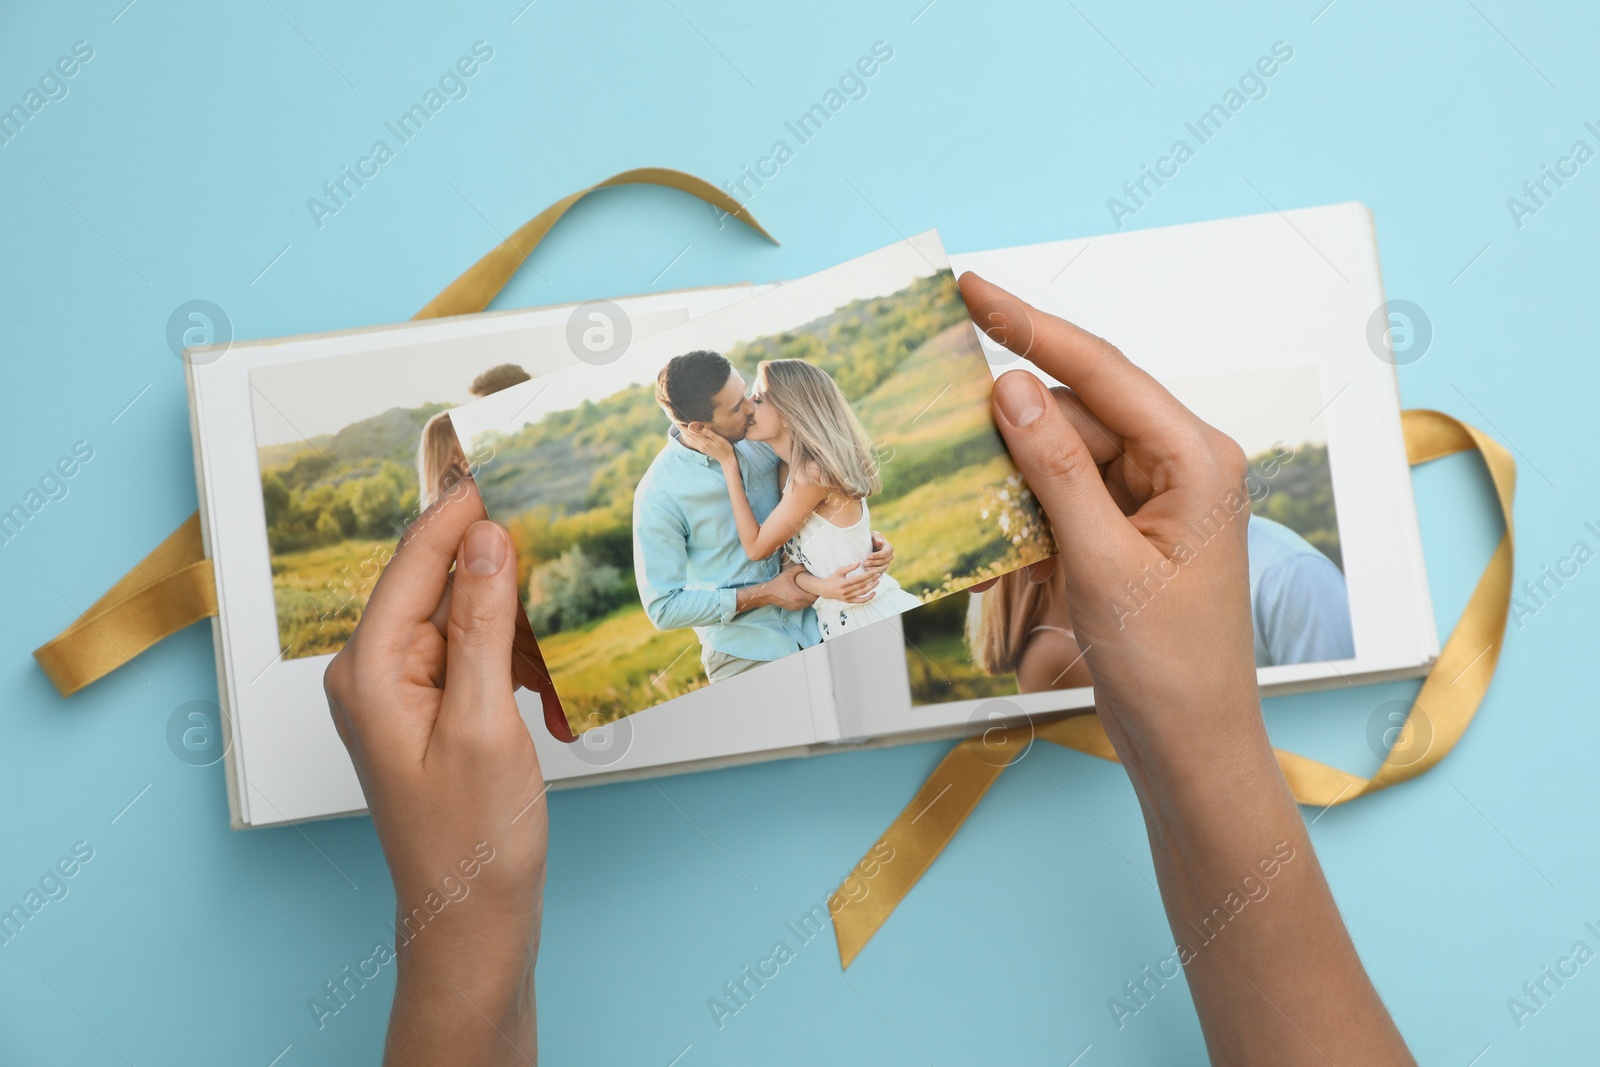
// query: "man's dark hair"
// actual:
[[497, 378], [687, 383]]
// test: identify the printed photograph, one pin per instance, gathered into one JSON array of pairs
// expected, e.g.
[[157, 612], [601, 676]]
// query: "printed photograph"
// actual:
[[766, 478], [337, 502], [1016, 637], [351, 449]]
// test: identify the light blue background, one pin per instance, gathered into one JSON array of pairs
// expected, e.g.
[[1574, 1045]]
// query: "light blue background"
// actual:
[[179, 167]]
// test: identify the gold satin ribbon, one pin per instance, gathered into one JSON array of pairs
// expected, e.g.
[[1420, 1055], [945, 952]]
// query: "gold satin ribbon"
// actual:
[[167, 590], [1449, 697], [175, 586], [484, 279]]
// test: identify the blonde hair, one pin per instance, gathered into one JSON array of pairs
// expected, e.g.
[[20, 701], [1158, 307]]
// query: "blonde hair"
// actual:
[[999, 620], [440, 461], [829, 443]]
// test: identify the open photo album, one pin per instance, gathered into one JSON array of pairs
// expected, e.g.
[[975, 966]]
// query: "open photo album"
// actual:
[[748, 518]]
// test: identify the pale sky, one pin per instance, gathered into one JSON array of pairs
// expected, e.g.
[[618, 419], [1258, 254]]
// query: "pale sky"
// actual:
[[1257, 408], [295, 401], [792, 304]]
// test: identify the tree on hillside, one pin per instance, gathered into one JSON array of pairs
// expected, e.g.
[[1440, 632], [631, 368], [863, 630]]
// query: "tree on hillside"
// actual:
[[572, 589]]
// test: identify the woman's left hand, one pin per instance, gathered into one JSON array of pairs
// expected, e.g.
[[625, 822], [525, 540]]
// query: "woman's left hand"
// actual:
[[881, 556], [702, 438], [453, 782]]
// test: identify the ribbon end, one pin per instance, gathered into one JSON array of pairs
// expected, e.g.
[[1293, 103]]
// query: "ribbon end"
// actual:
[[61, 675], [846, 935]]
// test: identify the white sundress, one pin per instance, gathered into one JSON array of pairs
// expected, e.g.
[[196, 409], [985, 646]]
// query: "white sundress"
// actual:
[[822, 548]]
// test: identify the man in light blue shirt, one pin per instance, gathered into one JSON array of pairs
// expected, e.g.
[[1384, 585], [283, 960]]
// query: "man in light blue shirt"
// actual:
[[690, 567], [1298, 601]]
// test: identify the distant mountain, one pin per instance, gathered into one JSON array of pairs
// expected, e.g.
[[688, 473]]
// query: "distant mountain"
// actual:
[[355, 451], [272, 457]]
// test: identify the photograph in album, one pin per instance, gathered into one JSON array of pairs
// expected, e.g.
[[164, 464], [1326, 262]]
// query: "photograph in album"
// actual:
[[351, 449], [1016, 636], [699, 503]]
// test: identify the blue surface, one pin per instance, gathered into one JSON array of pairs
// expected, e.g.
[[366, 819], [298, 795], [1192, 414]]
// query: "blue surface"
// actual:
[[178, 167]]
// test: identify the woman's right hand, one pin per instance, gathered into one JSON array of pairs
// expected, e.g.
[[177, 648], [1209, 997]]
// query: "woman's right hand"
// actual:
[[1149, 508]]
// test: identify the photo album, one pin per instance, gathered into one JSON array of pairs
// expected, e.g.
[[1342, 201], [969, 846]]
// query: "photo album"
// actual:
[[749, 518]]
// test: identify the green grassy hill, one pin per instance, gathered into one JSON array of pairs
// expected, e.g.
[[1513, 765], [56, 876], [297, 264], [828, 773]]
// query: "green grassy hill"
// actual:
[[335, 505]]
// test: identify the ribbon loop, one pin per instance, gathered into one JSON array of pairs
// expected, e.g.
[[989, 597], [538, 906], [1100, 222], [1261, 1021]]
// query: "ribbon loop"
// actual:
[[482, 282], [175, 586]]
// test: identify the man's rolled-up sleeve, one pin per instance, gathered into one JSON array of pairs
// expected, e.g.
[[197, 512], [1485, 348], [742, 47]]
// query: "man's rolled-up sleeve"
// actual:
[[661, 557]]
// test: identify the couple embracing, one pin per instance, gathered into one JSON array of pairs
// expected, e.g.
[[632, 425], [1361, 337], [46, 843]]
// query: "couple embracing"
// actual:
[[751, 525]]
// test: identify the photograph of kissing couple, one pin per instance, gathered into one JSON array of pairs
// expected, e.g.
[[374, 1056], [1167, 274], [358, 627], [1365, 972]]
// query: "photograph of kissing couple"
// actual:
[[756, 482], [811, 469]]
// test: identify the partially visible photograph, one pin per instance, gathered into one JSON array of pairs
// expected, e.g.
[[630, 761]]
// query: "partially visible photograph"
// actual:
[[351, 448], [1017, 637], [761, 480], [348, 459]]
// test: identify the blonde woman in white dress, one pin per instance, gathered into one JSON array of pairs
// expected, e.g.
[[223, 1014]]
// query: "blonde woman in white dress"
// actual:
[[1022, 627], [822, 519]]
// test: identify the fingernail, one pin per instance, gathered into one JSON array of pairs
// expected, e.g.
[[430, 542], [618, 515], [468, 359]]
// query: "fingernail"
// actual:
[[1020, 396], [484, 548]]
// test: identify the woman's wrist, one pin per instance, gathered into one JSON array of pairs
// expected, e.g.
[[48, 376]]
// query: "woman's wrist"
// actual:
[[497, 985], [464, 993], [1191, 750], [429, 1024]]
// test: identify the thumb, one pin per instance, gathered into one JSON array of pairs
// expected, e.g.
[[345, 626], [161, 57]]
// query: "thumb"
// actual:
[[1059, 468], [483, 623]]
